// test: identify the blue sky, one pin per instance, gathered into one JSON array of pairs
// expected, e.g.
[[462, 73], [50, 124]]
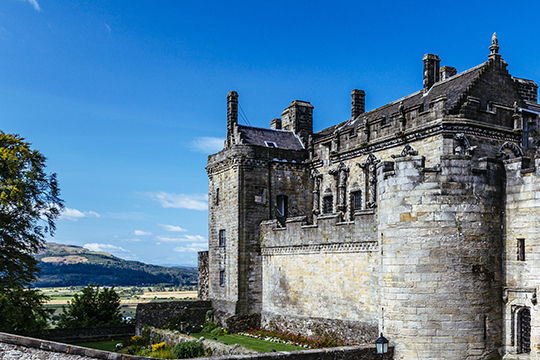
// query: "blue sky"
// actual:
[[127, 98]]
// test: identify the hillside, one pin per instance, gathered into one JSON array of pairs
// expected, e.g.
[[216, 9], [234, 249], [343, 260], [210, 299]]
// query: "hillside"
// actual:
[[69, 265]]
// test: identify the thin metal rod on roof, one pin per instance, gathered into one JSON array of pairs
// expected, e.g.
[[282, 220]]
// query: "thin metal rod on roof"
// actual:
[[243, 114]]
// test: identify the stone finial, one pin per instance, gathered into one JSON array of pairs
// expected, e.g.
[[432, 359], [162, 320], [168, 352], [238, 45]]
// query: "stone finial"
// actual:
[[494, 48]]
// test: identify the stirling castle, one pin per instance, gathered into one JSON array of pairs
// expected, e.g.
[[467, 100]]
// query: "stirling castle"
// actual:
[[419, 219]]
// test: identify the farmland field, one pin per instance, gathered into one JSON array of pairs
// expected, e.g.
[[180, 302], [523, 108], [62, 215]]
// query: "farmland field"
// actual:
[[129, 297]]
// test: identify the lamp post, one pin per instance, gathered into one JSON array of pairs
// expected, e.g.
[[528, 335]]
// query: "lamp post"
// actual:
[[382, 345]]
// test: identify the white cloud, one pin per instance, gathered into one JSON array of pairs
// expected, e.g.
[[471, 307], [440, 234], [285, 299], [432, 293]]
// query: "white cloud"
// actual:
[[185, 238], [34, 3], [111, 249], [172, 228], [74, 214], [141, 233], [180, 201], [193, 247], [207, 145], [108, 28]]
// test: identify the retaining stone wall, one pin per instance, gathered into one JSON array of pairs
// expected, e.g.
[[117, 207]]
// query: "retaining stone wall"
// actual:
[[160, 313], [75, 335]]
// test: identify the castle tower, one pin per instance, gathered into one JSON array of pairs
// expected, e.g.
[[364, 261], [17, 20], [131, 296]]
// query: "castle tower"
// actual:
[[441, 244]]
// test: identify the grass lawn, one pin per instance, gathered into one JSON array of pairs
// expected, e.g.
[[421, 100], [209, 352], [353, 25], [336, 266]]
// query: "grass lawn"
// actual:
[[101, 345], [250, 343]]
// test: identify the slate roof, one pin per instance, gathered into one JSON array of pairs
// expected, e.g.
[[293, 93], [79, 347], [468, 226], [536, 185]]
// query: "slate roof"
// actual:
[[452, 87], [284, 139]]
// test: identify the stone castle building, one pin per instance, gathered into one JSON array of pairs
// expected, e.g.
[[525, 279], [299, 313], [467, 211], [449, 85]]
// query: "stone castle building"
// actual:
[[419, 219]]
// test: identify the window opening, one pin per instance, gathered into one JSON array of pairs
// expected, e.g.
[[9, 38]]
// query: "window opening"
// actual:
[[524, 331], [271, 144], [521, 249], [356, 200], [222, 278], [216, 202], [328, 204], [282, 206], [222, 238], [260, 196]]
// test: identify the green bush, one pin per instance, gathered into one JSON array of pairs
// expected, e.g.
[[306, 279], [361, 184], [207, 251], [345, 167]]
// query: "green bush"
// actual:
[[209, 326], [218, 331], [186, 350]]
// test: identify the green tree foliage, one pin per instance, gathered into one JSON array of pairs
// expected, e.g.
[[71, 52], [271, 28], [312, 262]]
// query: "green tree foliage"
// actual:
[[94, 307], [29, 205]]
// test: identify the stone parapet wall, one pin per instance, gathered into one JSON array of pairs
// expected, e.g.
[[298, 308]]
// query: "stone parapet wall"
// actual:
[[160, 313], [328, 229], [75, 335]]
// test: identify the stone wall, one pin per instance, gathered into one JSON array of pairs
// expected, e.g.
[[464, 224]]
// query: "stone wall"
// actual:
[[76, 335], [160, 313], [522, 275]]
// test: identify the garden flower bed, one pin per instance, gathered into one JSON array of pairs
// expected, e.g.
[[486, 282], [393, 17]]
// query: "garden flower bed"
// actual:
[[285, 337]]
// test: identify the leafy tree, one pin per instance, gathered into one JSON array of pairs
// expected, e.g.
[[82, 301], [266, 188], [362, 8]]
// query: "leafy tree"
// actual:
[[94, 307], [29, 205]]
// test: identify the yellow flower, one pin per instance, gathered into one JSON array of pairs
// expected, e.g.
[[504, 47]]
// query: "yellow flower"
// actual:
[[158, 346]]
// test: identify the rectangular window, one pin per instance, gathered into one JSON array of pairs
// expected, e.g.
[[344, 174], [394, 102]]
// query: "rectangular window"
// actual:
[[222, 278], [521, 249], [356, 200], [328, 204], [222, 238], [260, 196], [216, 200]]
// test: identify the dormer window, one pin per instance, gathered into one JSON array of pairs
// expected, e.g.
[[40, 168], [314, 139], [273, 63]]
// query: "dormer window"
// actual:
[[270, 144]]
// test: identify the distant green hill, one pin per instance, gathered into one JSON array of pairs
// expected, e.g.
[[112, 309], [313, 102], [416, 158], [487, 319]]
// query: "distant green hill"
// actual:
[[68, 265]]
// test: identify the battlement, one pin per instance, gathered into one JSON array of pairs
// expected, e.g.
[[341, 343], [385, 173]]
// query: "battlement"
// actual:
[[327, 229]]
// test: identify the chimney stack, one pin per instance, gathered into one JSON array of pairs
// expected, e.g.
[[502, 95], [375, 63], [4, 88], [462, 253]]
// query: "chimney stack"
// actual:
[[447, 72], [232, 115], [275, 124], [358, 103], [431, 70]]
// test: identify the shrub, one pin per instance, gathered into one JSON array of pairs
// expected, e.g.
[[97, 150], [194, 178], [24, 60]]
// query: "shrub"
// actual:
[[186, 350], [218, 331], [209, 326]]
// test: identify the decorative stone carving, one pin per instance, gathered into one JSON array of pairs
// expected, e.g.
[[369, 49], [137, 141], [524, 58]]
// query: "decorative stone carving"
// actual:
[[365, 139], [402, 118], [408, 150], [317, 179], [465, 147], [341, 174], [512, 148], [370, 174]]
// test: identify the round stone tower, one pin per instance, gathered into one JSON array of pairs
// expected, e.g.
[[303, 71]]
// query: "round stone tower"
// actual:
[[440, 237]]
